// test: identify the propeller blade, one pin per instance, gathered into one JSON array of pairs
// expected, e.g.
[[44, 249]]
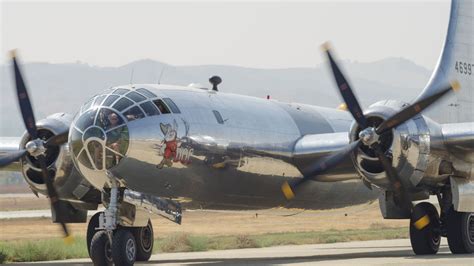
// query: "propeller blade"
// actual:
[[57, 140], [11, 157], [23, 100], [30, 124], [53, 196], [345, 90], [321, 166], [414, 109], [400, 191]]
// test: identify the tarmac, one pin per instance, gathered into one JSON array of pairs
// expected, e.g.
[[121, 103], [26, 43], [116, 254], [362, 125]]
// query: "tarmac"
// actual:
[[377, 252]]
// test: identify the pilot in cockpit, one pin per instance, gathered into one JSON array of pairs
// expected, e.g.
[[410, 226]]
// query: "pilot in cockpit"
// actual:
[[117, 136]]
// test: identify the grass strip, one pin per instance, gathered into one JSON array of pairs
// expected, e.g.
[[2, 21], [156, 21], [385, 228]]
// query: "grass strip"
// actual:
[[54, 249]]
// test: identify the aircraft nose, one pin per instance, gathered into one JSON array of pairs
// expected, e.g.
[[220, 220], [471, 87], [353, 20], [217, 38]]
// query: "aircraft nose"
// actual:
[[99, 138]]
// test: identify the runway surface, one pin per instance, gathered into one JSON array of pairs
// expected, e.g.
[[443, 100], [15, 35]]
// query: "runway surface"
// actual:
[[379, 252], [34, 214]]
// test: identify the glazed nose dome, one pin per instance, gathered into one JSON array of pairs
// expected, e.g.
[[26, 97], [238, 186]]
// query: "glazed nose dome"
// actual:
[[99, 136]]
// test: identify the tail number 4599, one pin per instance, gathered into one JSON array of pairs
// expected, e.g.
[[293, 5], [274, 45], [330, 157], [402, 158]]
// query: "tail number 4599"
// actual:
[[463, 68]]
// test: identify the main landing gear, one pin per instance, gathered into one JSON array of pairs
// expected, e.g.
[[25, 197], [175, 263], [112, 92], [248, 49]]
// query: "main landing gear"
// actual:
[[427, 228]]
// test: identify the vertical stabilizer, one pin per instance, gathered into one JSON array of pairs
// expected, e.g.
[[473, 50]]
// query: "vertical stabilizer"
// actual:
[[455, 63]]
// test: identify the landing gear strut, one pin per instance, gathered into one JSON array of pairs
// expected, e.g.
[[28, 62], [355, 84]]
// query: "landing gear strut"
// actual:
[[111, 243]]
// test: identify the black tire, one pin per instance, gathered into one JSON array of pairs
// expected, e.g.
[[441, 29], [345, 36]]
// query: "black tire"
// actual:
[[100, 250], [460, 232], [425, 241], [124, 247], [91, 230], [144, 239]]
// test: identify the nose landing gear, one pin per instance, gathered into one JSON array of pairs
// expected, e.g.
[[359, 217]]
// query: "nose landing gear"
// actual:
[[133, 244], [144, 239], [111, 243]]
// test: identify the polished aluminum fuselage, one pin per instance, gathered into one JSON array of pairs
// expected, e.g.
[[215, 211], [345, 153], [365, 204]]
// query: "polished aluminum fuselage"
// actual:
[[241, 161]]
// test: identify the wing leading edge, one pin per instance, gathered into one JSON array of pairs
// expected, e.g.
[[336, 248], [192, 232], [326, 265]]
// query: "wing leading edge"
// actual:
[[9, 145]]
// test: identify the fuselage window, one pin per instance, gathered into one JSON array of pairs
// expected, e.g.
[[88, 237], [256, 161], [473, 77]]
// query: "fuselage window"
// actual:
[[147, 93], [122, 104], [134, 114], [172, 105], [149, 108], [136, 97], [161, 106], [218, 117]]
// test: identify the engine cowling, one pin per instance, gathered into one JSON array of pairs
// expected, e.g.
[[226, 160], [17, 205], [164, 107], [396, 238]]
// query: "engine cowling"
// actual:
[[415, 149], [70, 184]]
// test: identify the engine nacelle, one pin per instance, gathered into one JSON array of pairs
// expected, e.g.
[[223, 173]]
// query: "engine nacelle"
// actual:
[[69, 183], [415, 148]]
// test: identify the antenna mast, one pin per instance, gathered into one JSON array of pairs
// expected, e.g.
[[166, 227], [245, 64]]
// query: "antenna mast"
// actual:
[[131, 76], [161, 74]]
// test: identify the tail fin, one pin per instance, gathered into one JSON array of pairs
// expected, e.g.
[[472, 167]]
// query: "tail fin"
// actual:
[[455, 63]]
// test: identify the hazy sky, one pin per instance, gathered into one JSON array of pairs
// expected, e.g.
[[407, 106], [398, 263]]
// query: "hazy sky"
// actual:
[[254, 34]]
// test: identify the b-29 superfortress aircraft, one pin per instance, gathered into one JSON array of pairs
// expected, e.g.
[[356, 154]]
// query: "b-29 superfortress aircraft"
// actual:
[[136, 148]]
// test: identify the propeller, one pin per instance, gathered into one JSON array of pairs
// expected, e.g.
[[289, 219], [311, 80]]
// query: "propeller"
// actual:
[[368, 136], [12, 157], [318, 168], [36, 147]]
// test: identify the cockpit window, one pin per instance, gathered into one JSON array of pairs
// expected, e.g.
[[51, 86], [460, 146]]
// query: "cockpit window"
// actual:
[[87, 105], [161, 106], [95, 150], [134, 113], [76, 141], [86, 119], [172, 105], [84, 159], [117, 140], [99, 134], [120, 91], [122, 104], [110, 100], [94, 132], [136, 97], [108, 119], [112, 158], [149, 109], [99, 100], [147, 93]]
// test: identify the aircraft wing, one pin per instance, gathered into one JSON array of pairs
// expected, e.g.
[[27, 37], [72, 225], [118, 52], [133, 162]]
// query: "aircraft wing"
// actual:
[[313, 147], [458, 138], [8, 145]]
